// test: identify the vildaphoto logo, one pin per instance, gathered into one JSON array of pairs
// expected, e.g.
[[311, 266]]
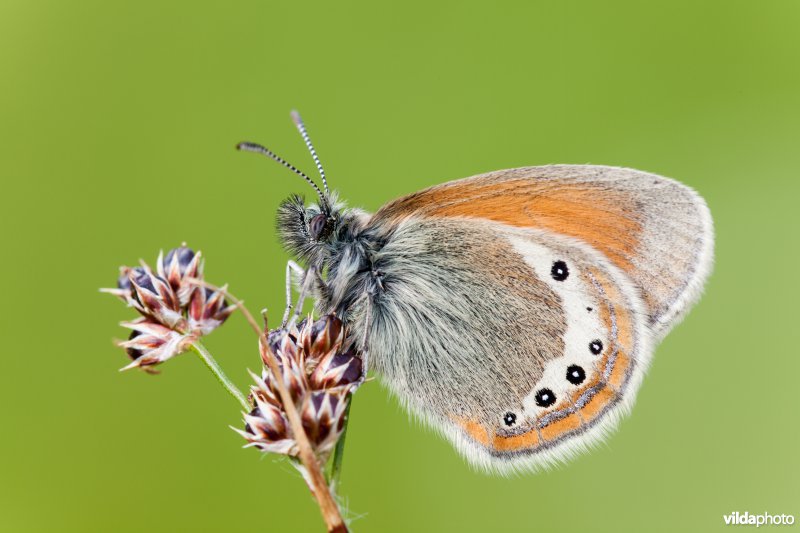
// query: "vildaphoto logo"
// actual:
[[746, 519]]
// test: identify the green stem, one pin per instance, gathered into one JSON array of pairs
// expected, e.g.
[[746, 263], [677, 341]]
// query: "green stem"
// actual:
[[212, 365], [338, 452]]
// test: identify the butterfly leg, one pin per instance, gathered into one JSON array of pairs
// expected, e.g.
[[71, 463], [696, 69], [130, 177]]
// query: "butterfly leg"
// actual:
[[308, 280], [291, 267]]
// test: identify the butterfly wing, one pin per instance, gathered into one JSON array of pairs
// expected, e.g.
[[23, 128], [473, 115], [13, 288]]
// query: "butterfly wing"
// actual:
[[517, 308], [658, 231]]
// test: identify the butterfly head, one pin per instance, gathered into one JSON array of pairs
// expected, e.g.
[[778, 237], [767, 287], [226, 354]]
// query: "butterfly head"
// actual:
[[309, 232]]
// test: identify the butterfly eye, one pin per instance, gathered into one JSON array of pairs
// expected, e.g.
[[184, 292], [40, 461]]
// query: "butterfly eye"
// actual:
[[509, 419], [596, 346], [560, 272], [318, 227], [575, 374], [545, 398]]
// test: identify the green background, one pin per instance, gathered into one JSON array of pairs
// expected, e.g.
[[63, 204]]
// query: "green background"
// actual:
[[117, 127]]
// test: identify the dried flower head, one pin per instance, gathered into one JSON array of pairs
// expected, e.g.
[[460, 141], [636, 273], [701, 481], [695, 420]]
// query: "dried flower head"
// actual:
[[323, 415], [175, 310], [208, 309], [154, 297], [267, 428], [319, 375], [177, 266], [150, 343]]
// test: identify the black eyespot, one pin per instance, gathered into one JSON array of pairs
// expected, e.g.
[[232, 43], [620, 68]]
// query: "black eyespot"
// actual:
[[589, 309], [596, 346], [545, 398], [560, 272], [318, 226], [509, 419], [575, 374]]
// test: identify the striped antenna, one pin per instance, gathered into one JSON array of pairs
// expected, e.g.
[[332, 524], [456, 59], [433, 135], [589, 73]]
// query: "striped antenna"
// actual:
[[303, 133], [257, 148]]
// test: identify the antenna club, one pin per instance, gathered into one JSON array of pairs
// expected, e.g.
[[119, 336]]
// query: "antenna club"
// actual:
[[251, 147], [298, 122]]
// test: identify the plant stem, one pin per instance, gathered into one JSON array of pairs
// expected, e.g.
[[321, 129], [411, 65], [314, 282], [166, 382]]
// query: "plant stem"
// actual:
[[338, 453], [318, 485], [212, 365], [315, 479]]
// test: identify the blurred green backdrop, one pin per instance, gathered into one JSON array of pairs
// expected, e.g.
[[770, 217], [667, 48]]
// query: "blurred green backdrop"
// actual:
[[117, 127]]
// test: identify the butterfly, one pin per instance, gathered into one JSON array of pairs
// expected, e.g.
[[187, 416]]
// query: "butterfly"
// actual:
[[517, 311]]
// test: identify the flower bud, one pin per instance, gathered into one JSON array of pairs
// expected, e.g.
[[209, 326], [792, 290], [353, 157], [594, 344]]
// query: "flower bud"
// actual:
[[151, 343], [321, 337], [176, 267], [208, 310], [289, 360], [153, 296], [123, 289], [323, 415], [267, 429], [337, 369]]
